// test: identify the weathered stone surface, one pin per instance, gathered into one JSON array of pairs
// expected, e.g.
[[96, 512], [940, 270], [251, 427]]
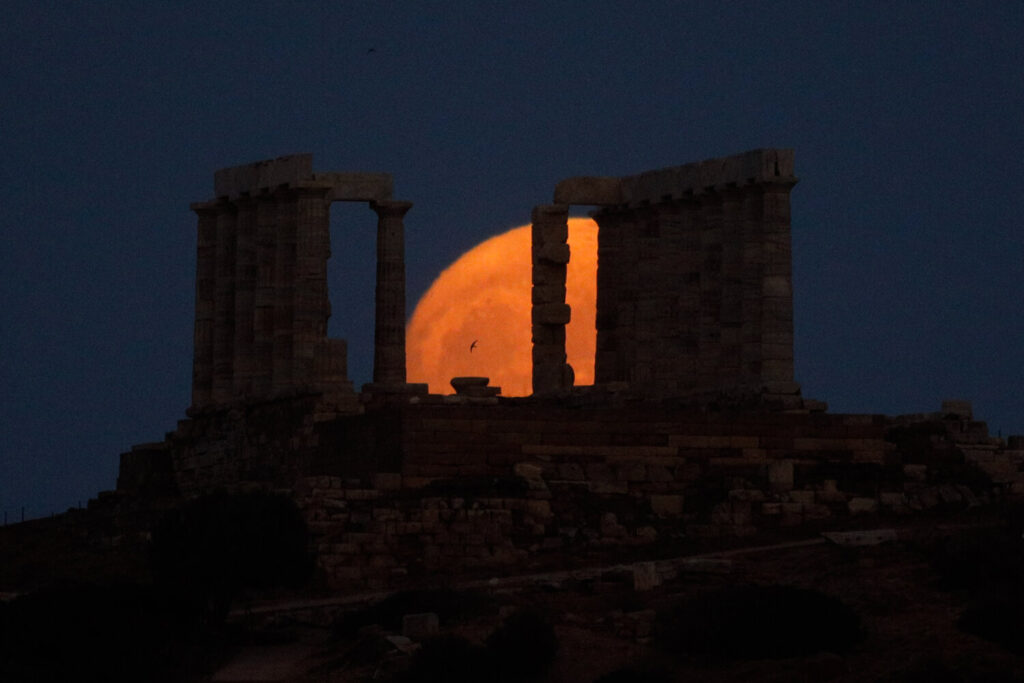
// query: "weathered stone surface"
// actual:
[[780, 475], [859, 506], [589, 190], [355, 187], [554, 253], [958, 408], [552, 314], [231, 182], [667, 505]]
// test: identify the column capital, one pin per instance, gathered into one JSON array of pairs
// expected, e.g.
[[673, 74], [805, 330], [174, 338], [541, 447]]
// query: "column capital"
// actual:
[[390, 208]]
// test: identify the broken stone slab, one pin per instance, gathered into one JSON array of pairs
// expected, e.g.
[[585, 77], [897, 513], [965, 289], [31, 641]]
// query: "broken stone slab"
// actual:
[[645, 576], [403, 644], [850, 539], [862, 505]]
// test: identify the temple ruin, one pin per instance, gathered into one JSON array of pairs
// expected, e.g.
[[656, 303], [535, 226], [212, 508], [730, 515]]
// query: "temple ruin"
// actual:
[[694, 292], [694, 280], [261, 285], [694, 426]]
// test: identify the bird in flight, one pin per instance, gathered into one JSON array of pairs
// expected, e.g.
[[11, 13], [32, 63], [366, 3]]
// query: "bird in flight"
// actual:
[[473, 345]]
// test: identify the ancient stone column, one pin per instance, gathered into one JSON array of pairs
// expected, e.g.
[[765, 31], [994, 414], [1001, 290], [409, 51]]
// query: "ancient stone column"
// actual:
[[263, 320], [777, 285], [731, 316], [709, 343], [687, 277], [312, 309], [609, 366], [282, 377], [549, 313], [206, 269], [224, 305], [389, 332], [245, 296], [753, 277]]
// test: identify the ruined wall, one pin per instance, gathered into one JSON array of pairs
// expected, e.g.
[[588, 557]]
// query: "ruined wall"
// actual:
[[430, 489], [262, 303], [524, 486], [694, 280]]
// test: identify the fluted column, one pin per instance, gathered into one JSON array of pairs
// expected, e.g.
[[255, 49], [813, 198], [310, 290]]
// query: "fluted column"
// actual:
[[389, 331], [777, 285], [312, 244], [282, 376], [263, 320], [206, 269], [609, 366], [731, 312], [224, 306], [709, 352], [753, 276], [244, 352]]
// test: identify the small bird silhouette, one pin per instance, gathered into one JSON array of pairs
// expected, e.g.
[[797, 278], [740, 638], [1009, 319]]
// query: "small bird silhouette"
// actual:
[[473, 345], [372, 49]]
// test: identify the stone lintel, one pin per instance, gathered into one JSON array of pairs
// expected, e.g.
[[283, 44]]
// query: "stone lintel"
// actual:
[[759, 166], [296, 171], [353, 186], [587, 190], [236, 180]]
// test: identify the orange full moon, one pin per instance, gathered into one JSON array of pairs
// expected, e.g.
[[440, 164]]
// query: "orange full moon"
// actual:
[[475, 319]]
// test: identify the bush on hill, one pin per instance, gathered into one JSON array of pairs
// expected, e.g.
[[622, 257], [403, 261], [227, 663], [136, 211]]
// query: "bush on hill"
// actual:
[[211, 550], [758, 622]]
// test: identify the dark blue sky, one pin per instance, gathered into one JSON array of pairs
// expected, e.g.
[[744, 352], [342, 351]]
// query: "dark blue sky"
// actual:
[[907, 119]]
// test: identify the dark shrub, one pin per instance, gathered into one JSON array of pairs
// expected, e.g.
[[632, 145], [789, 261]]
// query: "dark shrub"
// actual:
[[979, 559], [997, 620], [451, 659], [933, 669], [448, 604], [1013, 516], [84, 632], [524, 645], [213, 548], [756, 622]]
